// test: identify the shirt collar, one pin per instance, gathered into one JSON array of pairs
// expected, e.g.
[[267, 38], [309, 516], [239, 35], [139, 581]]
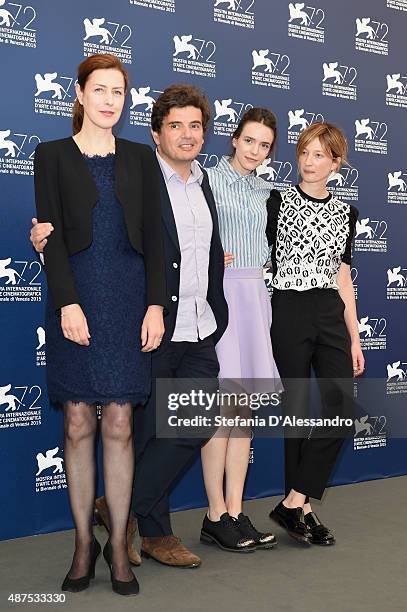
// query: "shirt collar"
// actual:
[[169, 172], [233, 175]]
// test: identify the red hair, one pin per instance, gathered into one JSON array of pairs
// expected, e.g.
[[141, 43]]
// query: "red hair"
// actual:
[[99, 61]]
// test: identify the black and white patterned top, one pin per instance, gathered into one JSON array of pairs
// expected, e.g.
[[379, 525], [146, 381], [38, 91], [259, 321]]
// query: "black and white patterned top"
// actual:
[[310, 238]]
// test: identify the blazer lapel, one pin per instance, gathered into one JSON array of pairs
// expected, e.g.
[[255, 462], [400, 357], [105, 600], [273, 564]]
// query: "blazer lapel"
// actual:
[[125, 177], [166, 210], [168, 215], [120, 174], [207, 191], [84, 177]]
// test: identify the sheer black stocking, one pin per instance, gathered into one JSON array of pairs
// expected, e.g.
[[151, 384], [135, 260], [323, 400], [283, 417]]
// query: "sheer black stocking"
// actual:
[[80, 466], [118, 470]]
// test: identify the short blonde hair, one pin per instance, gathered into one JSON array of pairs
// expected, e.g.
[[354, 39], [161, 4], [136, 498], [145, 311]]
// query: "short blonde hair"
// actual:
[[332, 140]]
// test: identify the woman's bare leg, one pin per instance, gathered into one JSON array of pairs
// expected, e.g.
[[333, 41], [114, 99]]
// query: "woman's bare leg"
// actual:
[[213, 456], [237, 462]]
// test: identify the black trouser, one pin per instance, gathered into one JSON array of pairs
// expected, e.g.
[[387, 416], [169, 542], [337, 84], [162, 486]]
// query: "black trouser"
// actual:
[[308, 330], [160, 461]]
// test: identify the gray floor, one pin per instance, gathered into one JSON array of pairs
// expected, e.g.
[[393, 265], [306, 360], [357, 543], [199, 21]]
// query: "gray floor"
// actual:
[[365, 571]]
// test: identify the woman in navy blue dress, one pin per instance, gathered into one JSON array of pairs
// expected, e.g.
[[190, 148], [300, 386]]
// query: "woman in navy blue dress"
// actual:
[[105, 274]]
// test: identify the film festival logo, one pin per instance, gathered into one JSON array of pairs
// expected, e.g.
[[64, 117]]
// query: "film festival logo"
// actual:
[[194, 56], [396, 378], [397, 187], [19, 406], [344, 184], [142, 101], [398, 5], [268, 279], [251, 453], [370, 136], [298, 120], [280, 173], [19, 280], [227, 116], [17, 23], [53, 94], [370, 432], [234, 12], [397, 283], [372, 332], [306, 22], [208, 160], [354, 273], [102, 36], [339, 81], [270, 69], [40, 359], [370, 236], [371, 36], [396, 90], [50, 475], [17, 153], [160, 5]]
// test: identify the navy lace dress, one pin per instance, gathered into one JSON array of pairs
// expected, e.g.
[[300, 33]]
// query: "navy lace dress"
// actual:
[[110, 280]]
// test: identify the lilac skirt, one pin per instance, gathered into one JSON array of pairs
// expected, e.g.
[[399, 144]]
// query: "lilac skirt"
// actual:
[[244, 351]]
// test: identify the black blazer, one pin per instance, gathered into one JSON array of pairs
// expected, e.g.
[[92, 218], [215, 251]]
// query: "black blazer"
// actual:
[[65, 195], [215, 295]]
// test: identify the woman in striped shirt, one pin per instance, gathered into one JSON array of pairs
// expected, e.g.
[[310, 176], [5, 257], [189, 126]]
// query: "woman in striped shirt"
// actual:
[[244, 351]]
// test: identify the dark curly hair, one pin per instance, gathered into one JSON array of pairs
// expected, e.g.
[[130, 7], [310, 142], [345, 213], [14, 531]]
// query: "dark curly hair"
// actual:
[[179, 95]]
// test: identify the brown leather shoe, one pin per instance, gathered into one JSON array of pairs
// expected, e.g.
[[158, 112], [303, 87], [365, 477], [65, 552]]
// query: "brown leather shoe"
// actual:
[[102, 518], [169, 550]]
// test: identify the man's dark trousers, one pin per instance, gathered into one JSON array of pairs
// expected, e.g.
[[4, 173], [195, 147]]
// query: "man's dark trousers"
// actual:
[[160, 461]]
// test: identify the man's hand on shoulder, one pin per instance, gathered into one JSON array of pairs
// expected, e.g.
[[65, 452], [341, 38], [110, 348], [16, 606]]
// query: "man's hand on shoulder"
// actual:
[[39, 233]]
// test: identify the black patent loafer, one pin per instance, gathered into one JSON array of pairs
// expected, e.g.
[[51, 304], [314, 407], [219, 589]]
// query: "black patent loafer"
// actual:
[[226, 534], [262, 540], [319, 533], [292, 520]]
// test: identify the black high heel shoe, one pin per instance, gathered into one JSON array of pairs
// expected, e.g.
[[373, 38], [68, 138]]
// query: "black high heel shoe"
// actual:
[[120, 587], [75, 585]]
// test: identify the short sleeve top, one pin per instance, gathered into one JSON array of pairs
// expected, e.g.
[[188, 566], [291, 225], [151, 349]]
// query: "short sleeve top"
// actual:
[[309, 237]]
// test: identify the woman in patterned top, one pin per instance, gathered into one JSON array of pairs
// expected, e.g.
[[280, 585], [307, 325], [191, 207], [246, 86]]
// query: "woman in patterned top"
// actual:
[[244, 351], [314, 322]]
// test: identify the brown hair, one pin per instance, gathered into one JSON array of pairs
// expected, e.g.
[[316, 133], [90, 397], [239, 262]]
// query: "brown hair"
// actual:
[[85, 69], [179, 95], [258, 115], [331, 137]]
